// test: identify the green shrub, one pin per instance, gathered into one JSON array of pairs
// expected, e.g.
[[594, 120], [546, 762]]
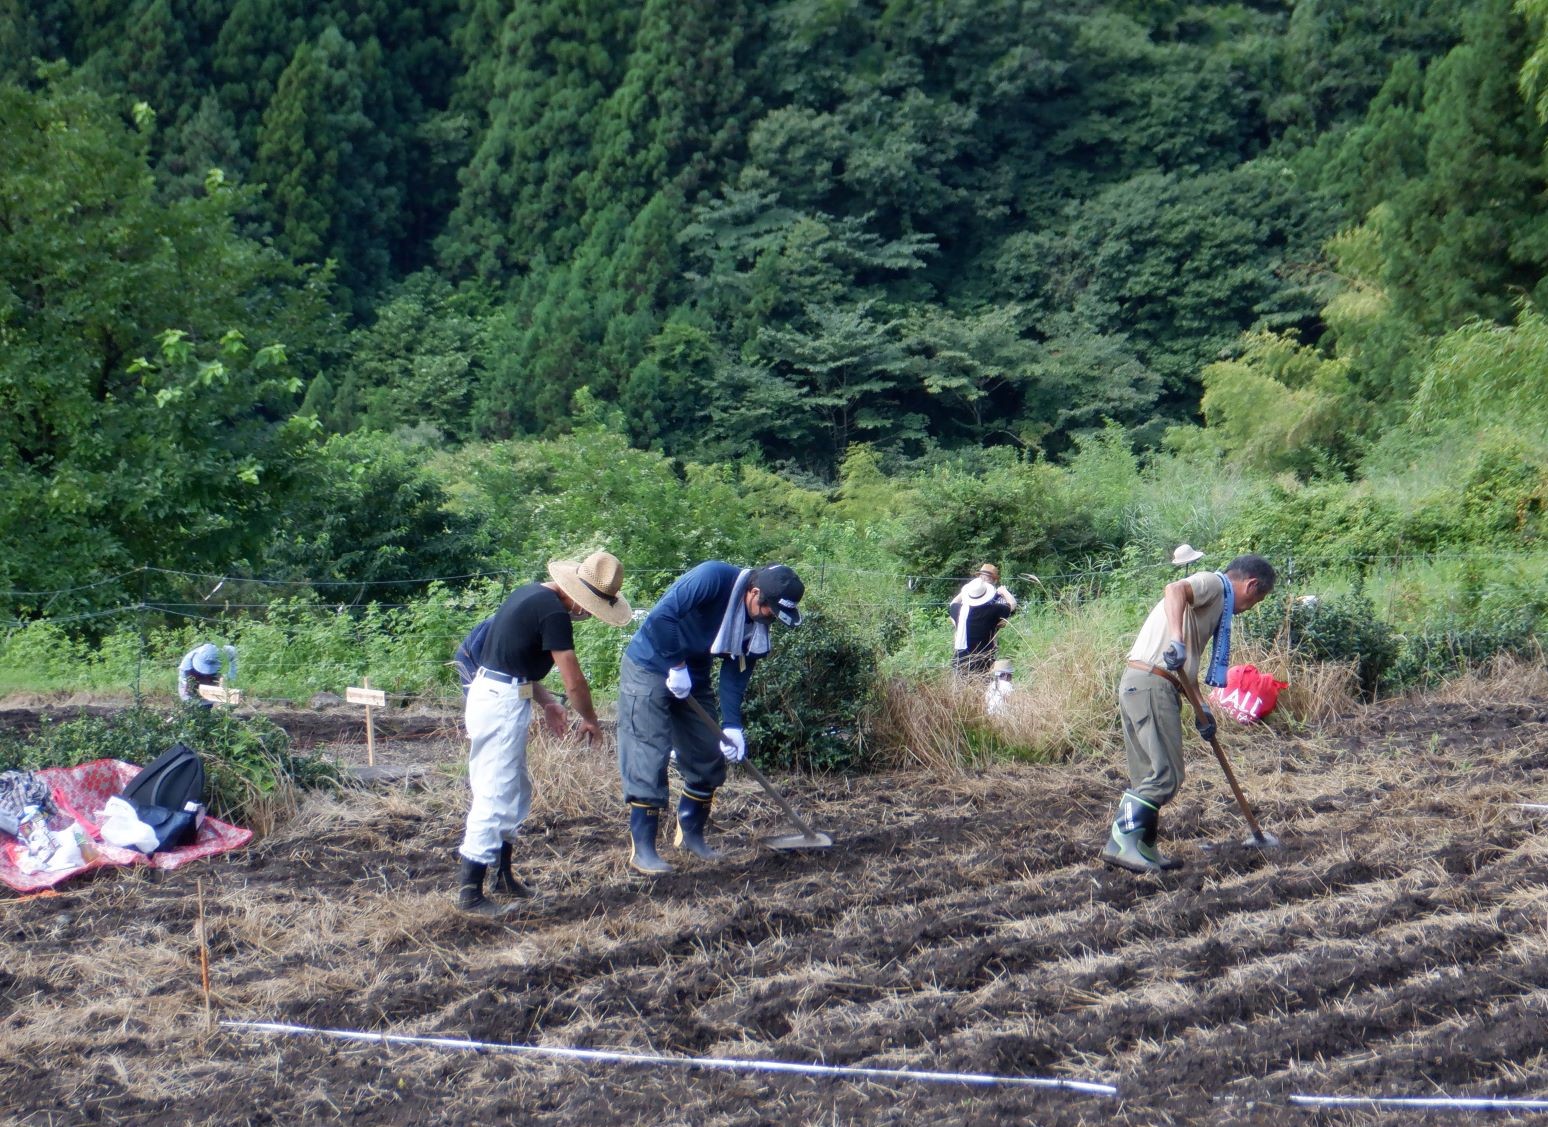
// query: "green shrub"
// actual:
[[1344, 628], [812, 701], [245, 757]]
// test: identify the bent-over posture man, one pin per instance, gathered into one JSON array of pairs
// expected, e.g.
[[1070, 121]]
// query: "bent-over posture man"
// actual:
[[715, 610], [529, 635], [201, 666], [1192, 611]]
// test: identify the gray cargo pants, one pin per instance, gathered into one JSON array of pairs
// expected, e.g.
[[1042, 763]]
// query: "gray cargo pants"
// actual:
[[1152, 735], [651, 722]]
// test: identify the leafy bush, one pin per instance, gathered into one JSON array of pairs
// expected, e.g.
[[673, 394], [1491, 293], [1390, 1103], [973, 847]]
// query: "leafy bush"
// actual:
[[245, 758], [812, 701], [1337, 629]]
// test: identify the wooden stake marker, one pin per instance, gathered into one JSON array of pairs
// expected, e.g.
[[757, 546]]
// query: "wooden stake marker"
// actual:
[[371, 698], [220, 694]]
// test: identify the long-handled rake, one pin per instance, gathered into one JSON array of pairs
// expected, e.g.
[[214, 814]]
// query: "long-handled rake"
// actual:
[[1258, 838], [808, 838]]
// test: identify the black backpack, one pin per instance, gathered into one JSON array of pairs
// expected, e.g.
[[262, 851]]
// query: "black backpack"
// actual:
[[161, 791]]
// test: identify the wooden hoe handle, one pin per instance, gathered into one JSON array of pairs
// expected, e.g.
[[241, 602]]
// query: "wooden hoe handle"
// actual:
[[763, 780], [1191, 691]]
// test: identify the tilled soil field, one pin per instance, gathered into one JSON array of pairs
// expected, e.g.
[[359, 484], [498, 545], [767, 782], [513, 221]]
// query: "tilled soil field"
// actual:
[[1397, 944]]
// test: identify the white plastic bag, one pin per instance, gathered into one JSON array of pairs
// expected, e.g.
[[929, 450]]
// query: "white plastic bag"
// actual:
[[122, 827]]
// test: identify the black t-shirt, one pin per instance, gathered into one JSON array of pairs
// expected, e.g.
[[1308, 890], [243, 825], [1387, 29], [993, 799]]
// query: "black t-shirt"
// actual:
[[981, 624], [527, 628]]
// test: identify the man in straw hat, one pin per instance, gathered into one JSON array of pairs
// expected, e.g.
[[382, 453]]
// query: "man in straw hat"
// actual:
[[529, 635], [977, 613], [1192, 613], [714, 610]]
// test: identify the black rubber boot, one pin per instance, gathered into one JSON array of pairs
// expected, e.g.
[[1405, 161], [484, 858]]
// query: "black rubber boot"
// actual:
[[1126, 846], [470, 891], [1148, 844], [505, 881], [693, 811], [644, 823]]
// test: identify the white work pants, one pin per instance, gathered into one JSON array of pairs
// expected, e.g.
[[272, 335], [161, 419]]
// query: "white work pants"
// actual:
[[497, 717]]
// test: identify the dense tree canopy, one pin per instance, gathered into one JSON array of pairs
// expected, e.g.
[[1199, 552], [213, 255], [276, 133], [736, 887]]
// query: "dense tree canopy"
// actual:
[[767, 234]]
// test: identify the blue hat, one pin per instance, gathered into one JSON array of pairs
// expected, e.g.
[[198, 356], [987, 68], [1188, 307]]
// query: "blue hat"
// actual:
[[206, 659]]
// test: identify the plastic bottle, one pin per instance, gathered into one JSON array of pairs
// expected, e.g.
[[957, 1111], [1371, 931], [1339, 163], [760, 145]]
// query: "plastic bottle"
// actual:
[[33, 831]]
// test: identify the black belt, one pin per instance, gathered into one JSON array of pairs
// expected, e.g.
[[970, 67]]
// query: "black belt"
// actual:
[[503, 678]]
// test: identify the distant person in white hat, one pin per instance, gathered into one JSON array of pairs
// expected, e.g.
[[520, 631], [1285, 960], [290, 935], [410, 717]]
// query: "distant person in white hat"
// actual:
[[528, 636], [201, 666], [977, 613], [1185, 555], [1001, 686]]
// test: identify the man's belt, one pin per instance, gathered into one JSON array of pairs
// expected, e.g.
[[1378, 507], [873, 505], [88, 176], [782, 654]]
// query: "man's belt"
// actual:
[[1157, 671], [524, 690]]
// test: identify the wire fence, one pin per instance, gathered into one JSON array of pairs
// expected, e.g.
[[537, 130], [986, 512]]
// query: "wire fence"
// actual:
[[368, 627]]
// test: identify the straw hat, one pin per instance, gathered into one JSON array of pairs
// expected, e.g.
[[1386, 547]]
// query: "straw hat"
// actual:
[[989, 572], [1002, 666], [594, 584], [977, 593], [1186, 554]]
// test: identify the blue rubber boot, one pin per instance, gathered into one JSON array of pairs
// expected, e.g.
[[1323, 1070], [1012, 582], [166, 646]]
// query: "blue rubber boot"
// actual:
[[644, 824], [693, 811]]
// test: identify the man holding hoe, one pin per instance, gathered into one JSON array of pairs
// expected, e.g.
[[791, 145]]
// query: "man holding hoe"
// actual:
[[529, 635], [714, 610], [1192, 611]]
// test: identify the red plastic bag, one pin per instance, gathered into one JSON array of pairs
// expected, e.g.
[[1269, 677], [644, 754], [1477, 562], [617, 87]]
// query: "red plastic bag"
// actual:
[[1249, 694]]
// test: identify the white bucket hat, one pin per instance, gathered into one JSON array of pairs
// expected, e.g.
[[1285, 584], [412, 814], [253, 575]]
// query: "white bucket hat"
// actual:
[[594, 583], [977, 592], [1186, 554]]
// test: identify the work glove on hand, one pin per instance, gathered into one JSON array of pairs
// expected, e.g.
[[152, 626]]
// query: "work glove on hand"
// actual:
[[678, 682], [1206, 723], [1174, 656], [733, 745]]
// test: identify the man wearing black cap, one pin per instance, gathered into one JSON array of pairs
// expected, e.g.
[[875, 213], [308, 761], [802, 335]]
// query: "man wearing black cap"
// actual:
[[714, 610]]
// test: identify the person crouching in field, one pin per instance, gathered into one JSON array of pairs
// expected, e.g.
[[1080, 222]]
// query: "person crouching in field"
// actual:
[[714, 610], [1192, 611], [201, 666], [530, 634]]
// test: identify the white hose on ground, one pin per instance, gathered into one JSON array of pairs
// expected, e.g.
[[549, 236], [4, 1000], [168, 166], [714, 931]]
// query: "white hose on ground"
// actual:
[[1467, 1103], [730, 1063]]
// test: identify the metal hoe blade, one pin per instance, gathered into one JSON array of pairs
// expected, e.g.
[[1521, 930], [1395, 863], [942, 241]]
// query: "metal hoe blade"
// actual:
[[791, 842]]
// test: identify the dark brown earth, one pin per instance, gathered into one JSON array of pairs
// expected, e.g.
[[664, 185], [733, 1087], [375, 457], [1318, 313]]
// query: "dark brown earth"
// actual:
[[1397, 944]]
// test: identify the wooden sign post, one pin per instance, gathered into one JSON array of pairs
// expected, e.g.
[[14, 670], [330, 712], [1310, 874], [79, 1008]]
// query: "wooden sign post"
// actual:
[[371, 698], [220, 694]]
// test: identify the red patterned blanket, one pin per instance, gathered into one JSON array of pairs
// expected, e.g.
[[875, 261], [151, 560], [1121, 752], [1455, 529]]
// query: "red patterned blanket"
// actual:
[[80, 793]]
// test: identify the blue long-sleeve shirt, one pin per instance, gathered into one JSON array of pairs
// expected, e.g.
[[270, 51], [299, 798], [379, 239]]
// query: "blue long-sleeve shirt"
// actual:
[[682, 627]]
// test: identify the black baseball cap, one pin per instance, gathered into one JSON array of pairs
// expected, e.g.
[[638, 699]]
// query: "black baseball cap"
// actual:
[[781, 589]]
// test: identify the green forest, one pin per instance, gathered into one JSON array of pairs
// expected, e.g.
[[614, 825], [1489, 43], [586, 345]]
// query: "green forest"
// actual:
[[321, 301]]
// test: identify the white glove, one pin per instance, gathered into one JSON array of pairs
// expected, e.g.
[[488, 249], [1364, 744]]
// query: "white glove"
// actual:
[[733, 745], [678, 682]]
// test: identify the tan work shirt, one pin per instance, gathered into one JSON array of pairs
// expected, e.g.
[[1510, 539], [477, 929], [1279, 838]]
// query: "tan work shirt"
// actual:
[[1199, 622]]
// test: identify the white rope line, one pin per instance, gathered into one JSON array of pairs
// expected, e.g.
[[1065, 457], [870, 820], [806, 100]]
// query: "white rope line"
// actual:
[[1531, 805], [1467, 1103], [728, 1063]]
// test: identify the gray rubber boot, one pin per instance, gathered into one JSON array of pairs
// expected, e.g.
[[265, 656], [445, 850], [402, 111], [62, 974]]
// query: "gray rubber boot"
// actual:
[[470, 891], [1126, 848], [644, 824], [506, 882], [693, 812]]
